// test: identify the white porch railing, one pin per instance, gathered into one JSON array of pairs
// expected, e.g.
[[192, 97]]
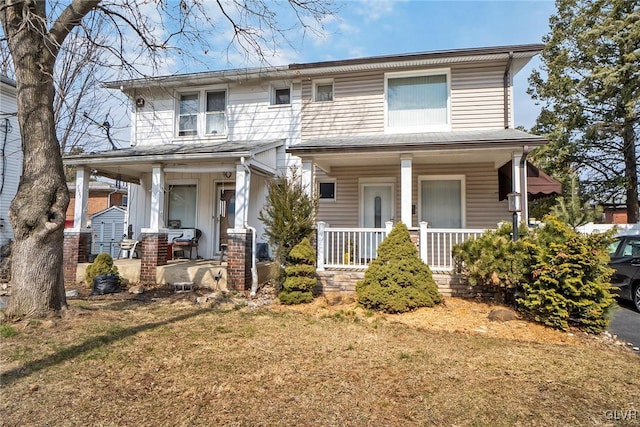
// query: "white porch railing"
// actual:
[[436, 244], [348, 248], [354, 248]]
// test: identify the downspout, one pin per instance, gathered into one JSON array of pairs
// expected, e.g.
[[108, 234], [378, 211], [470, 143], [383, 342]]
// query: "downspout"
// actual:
[[506, 90], [524, 186], [254, 269]]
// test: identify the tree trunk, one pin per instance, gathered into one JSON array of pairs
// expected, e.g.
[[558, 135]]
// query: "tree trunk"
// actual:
[[631, 171], [38, 210]]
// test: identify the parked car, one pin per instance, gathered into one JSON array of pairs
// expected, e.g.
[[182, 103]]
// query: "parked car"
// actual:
[[625, 259]]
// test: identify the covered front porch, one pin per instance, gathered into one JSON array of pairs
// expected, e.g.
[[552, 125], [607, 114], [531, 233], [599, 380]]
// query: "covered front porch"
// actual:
[[208, 193]]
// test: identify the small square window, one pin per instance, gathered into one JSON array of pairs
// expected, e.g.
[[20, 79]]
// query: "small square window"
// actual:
[[327, 190], [282, 96], [324, 92]]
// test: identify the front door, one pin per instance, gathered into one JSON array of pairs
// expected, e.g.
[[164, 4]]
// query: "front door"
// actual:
[[377, 209], [226, 212], [377, 205]]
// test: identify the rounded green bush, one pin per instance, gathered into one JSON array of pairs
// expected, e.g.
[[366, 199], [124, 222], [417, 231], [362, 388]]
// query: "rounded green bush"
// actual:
[[103, 264], [397, 280]]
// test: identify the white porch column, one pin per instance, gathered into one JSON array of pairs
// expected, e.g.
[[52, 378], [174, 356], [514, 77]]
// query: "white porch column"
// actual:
[[156, 221], [320, 244], [242, 197], [405, 190], [307, 177], [82, 198], [516, 184]]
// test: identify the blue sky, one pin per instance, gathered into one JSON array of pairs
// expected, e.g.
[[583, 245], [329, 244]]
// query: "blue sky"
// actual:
[[380, 27]]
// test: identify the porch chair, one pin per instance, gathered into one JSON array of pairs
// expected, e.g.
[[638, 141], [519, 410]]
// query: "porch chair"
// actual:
[[180, 244], [129, 245]]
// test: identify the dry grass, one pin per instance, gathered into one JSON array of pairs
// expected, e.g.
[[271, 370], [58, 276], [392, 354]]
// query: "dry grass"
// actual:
[[172, 363]]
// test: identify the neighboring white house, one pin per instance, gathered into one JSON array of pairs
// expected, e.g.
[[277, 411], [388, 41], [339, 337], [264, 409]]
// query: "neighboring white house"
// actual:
[[427, 139], [10, 155]]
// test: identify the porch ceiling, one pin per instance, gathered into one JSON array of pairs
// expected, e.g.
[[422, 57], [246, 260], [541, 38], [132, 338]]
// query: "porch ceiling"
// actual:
[[444, 147], [128, 164]]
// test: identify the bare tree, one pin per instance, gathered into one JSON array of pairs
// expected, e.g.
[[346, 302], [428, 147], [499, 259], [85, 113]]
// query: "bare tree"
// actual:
[[36, 39]]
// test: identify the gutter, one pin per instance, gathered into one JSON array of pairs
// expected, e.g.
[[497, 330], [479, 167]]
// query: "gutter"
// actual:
[[507, 71], [254, 268], [524, 185]]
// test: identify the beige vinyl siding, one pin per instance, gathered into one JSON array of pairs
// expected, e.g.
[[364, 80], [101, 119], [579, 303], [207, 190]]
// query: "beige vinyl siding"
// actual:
[[477, 97], [477, 102], [483, 210], [357, 107], [345, 210]]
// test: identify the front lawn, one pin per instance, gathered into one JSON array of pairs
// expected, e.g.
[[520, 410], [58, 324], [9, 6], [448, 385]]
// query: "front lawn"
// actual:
[[174, 363]]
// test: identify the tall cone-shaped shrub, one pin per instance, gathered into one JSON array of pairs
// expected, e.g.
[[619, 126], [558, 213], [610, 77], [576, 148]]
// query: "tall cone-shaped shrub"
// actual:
[[397, 280], [300, 274]]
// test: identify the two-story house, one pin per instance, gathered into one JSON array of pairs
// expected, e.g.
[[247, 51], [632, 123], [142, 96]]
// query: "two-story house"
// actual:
[[427, 139]]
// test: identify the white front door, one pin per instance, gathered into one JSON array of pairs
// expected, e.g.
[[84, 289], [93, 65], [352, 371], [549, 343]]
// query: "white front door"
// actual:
[[377, 204]]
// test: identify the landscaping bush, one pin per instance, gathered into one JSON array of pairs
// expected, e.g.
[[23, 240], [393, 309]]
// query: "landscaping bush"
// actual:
[[103, 264], [570, 281], [300, 274], [494, 259], [397, 280], [564, 275]]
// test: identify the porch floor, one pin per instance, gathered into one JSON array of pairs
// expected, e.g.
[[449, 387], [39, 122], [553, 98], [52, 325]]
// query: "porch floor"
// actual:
[[211, 274]]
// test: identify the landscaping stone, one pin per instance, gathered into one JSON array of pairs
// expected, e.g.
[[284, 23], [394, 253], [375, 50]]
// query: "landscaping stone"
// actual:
[[502, 315], [137, 290]]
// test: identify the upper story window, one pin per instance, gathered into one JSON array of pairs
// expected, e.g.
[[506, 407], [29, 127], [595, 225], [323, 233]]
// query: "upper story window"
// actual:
[[188, 115], [216, 106], [280, 95], [323, 91], [202, 113], [418, 102]]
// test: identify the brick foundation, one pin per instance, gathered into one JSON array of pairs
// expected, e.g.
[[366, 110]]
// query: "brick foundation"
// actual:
[[76, 249], [153, 253], [239, 261]]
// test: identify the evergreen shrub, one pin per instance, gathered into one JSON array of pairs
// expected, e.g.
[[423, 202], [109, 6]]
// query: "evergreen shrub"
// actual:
[[397, 280], [564, 275], [103, 264], [300, 274]]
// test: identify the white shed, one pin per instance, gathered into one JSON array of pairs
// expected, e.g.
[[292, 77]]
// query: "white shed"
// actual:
[[107, 231]]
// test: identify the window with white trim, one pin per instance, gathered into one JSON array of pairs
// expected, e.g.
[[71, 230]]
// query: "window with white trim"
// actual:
[[327, 190], [181, 204], [417, 102], [442, 201], [202, 113], [188, 114], [323, 91], [280, 95]]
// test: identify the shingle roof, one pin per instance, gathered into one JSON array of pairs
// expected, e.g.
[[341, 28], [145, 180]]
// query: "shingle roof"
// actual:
[[418, 141]]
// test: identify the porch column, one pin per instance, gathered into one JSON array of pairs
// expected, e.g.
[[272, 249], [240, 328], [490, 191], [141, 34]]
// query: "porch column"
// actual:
[[154, 243], [82, 198], [77, 240], [243, 181], [157, 198], [307, 177], [405, 190], [516, 176]]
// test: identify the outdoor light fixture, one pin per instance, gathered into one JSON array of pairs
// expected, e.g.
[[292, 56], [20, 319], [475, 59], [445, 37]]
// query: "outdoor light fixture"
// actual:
[[514, 208]]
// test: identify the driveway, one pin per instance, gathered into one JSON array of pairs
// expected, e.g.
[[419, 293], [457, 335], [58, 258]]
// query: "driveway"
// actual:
[[625, 323]]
